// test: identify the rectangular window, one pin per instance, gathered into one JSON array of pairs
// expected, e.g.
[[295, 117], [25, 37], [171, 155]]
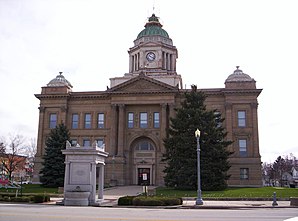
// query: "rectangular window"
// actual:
[[100, 142], [242, 147], [75, 121], [74, 142], [156, 119], [241, 119], [100, 120], [130, 123], [53, 120], [86, 143], [244, 173], [143, 120], [218, 120], [87, 121]]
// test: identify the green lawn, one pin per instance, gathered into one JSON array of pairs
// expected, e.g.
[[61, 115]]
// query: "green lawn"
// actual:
[[264, 192]]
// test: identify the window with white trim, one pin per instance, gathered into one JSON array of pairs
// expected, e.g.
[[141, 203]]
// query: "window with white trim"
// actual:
[[100, 120], [87, 121], [241, 118], [242, 147], [75, 121], [143, 120], [156, 119], [53, 120], [130, 119], [244, 173]]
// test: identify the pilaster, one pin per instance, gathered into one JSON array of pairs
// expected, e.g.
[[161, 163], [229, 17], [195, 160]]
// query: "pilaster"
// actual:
[[121, 126], [255, 139], [114, 133]]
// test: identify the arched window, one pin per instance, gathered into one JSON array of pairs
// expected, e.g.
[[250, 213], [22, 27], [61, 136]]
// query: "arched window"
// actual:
[[144, 145]]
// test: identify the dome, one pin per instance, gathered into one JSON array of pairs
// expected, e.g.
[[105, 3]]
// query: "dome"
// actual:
[[59, 81], [153, 27], [238, 76]]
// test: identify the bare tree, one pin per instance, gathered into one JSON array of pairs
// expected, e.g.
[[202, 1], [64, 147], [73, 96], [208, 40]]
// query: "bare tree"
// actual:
[[2, 149], [13, 160]]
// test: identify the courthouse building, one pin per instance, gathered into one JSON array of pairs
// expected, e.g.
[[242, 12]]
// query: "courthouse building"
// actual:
[[131, 117]]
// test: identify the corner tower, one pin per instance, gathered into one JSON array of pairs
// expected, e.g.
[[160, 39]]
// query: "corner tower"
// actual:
[[154, 55]]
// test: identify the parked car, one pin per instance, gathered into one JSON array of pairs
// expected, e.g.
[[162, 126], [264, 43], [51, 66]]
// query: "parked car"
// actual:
[[23, 182]]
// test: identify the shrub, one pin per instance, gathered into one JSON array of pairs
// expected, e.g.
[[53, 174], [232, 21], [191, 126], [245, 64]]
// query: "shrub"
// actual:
[[40, 198], [147, 201], [125, 200], [6, 198], [172, 201], [47, 198], [156, 201], [20, 199]]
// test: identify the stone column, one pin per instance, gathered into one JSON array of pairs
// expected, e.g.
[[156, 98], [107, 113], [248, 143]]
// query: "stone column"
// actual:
[[138, 56], [93, 182], [164, 66], [171, 62], [66, 177], [135, 62], [229, 121], [173, 68], [40, 145], [113, 135], [168, 62], [163, 125], [63, 114], [171, 112], [40, 149], [100, 181], [255, 137], [121, 126], [130, 64]]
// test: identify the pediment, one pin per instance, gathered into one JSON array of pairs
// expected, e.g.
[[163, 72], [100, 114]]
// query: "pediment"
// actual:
[[143, 84]]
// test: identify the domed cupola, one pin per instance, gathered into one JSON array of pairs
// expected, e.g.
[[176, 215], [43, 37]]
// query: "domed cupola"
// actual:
[[240, 80], [58, 85], [238, 76], [59, 81], [153, 32], [153, 54], [153, 27]]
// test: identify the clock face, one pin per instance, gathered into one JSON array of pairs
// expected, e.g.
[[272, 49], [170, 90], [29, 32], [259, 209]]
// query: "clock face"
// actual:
[[150, 56]]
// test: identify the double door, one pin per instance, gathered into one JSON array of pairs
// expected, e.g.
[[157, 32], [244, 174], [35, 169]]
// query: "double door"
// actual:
[[144, 176]]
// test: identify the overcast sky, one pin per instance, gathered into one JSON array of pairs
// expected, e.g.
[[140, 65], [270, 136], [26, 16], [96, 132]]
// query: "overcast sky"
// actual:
[[88, 40]]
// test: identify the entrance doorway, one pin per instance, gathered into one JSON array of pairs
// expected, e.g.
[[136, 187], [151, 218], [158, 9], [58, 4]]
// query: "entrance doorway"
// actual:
[[144, 176]]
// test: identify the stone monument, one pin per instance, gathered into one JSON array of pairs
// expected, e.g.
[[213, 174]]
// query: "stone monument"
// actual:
[[81, 166]]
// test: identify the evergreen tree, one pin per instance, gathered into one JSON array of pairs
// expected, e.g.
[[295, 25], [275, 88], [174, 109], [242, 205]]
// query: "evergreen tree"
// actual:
[[181, 146], [52, 173]]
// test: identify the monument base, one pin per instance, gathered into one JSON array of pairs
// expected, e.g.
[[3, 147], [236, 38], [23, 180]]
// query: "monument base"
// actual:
[[76, 198]]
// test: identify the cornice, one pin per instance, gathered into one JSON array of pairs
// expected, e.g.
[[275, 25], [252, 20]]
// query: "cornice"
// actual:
[[207, 91], [242, 91], [142, 92], [51, 96], [89, 96]]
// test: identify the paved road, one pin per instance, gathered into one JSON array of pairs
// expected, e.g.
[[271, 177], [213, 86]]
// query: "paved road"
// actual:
[[32, 212]]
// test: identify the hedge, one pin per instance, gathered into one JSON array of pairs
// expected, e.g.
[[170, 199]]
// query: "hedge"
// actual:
[[125, 200], [35, 198], [149, 201]]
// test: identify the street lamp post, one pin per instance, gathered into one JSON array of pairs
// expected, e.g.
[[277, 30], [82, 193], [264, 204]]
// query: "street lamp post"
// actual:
[[199, 200]]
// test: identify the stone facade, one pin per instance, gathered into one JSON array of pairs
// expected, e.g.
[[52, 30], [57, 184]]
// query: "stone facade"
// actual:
[[132, 116]]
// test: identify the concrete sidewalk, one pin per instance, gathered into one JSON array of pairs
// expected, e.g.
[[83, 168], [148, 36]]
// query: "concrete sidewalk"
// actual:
[[111, 196]]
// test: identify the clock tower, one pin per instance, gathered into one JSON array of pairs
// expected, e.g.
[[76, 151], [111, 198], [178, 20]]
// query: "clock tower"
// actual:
[[154, 55]]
